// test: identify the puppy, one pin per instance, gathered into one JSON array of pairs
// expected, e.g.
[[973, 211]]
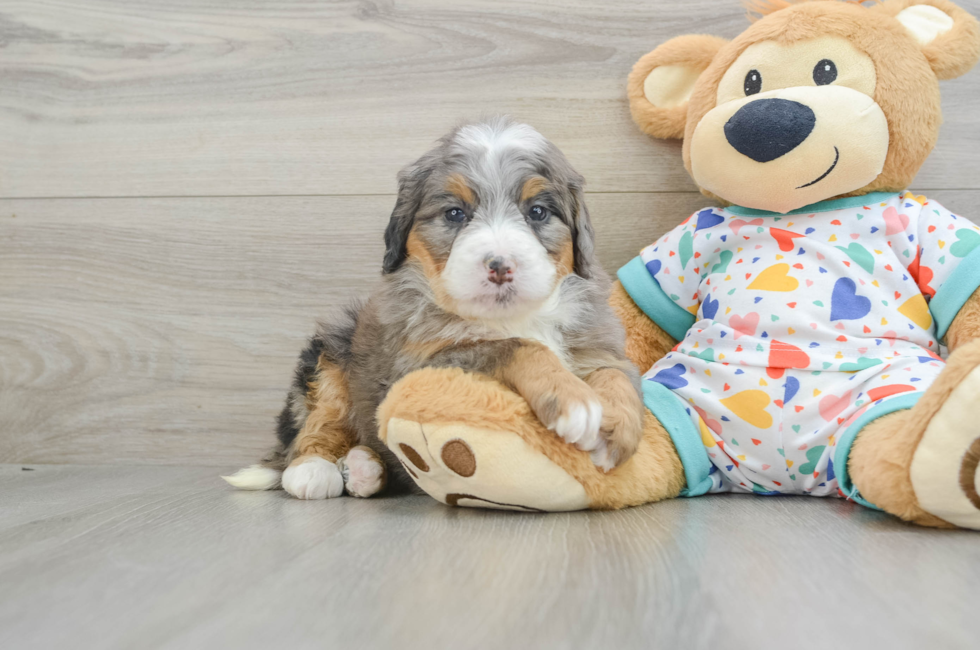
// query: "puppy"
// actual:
[[489, 267]]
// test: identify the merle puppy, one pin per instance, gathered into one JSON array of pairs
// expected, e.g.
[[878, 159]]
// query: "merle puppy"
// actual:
[[489, 267]]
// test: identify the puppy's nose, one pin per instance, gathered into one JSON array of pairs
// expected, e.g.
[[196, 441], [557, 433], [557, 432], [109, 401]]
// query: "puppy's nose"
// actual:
[[766, 129], [499, 269]]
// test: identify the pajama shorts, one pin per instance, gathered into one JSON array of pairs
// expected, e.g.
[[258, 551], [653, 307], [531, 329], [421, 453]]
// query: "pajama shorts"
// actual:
[[777, 431]]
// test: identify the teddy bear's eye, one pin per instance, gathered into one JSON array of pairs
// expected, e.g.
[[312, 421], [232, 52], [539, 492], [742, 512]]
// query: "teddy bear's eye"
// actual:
[[753, 82], [824, 72]]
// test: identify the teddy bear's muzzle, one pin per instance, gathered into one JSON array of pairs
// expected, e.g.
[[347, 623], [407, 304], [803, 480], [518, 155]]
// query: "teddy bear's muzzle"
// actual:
[[783, 149]]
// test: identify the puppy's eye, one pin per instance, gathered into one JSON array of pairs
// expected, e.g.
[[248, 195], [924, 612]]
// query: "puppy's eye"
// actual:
[[753, 82], [537, 213], [824, 72], [456, 215]]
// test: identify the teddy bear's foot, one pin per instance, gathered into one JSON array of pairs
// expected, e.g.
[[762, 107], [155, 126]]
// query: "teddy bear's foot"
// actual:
[[921, 464], [465, 465], [469, 441], [945, 471]]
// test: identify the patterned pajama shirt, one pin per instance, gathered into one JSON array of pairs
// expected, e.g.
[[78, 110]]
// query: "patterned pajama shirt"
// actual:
[[796, 331]]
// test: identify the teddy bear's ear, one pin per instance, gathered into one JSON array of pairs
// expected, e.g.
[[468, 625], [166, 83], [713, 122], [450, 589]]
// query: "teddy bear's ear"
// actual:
[[662, 81], [949, 36]]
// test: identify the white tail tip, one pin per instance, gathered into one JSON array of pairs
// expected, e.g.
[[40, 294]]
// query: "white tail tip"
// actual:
[[255, 477]]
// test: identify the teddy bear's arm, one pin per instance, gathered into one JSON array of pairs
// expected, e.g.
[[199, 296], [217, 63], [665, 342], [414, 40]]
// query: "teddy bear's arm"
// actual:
[[966, 325], [646, 342]]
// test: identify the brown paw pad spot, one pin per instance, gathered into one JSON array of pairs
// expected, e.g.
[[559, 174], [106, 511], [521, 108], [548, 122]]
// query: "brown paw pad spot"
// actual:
[[458, 457], [413, 457], [968, 473]]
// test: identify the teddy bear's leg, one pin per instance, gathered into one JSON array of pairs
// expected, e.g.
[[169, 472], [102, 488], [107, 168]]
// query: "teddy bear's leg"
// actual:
[[646, 343], [922, 464], [468, 440]]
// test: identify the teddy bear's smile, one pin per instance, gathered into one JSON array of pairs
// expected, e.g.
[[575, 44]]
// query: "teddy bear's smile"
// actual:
[[826, 173]]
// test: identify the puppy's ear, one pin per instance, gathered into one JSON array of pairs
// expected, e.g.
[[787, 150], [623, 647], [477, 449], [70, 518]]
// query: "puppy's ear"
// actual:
[[662, 81], [948, 36], [411, 182], [583, 235]]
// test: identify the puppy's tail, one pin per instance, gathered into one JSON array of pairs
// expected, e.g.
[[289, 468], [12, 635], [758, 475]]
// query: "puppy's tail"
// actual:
[[255, 477]]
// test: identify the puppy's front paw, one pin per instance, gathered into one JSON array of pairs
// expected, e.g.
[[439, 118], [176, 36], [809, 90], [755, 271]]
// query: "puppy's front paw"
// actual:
[[623, 414], [622, 429], [573, 412], [579, 424], [313, 478]]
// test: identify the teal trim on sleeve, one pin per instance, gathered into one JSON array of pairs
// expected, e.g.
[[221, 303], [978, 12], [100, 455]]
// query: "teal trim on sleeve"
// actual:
[[669, 409], [645, 291], [823, 206], [898, 402], [955, 291]]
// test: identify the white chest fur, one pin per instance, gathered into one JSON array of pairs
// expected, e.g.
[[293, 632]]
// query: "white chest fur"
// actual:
[[542, 325]]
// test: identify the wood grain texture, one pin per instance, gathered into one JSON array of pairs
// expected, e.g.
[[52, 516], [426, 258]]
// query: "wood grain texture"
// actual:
[[167, 557], [278, 97], [165, 330]]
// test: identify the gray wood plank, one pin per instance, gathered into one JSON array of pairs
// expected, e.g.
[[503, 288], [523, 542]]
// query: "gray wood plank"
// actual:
[[165, 330], [175, 559], [150, 98]]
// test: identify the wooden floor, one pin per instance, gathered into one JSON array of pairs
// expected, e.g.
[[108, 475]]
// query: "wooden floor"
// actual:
[[186, 185], [164, 557]]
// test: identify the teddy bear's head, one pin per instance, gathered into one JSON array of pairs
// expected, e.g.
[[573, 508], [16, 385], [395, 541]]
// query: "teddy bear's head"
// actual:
[[816, 100]]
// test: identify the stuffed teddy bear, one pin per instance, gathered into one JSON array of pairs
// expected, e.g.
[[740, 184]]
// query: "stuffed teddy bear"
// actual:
[[791, 340]]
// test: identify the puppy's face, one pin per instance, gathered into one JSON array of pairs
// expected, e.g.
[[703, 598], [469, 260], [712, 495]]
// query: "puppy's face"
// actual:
[[495, 220]]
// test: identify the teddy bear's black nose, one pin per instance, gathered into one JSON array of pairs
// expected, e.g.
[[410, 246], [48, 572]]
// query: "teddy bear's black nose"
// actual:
[[766, 129]]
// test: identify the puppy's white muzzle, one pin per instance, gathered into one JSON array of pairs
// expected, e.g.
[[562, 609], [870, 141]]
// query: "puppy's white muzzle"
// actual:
[[498, 270]]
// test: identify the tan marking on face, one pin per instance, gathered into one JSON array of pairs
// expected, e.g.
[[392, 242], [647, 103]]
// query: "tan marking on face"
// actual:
[[564, 260], [326, 432], [532, 187], [417, 249], [431, 267], [457, 186]]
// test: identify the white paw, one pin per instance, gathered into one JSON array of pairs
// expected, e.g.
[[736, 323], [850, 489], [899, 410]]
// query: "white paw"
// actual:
[[314, 478], [364, 473], [602, 457], [579, 426]]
